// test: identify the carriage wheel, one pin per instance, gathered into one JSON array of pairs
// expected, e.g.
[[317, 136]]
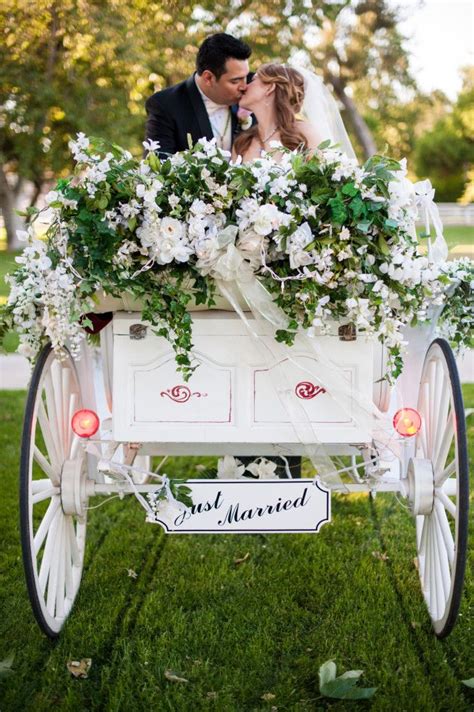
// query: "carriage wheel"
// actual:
[[441, 508], [52, 492]]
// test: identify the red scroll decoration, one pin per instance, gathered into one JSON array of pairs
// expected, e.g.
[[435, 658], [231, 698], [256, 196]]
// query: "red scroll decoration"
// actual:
[[307, 390], [181, 394]]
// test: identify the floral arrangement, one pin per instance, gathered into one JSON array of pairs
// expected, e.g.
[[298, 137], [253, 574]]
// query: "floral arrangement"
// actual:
[[327, 238]]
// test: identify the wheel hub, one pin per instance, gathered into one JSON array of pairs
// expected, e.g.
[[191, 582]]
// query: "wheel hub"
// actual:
[[76, 488], [421, 490]]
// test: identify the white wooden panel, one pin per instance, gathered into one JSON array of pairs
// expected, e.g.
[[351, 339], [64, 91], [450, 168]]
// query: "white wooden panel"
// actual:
[[230, 398]]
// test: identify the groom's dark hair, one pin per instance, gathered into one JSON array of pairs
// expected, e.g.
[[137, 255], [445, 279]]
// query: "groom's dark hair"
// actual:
[[217, 49]]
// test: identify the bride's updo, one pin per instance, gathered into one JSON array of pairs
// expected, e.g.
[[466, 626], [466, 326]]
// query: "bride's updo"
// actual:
[[289, 97]]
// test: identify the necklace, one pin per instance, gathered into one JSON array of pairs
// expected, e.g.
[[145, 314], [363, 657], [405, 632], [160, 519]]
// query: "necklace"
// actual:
[[264, 140]]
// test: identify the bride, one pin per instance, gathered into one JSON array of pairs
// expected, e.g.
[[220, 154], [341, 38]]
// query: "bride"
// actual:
[[293, 108]]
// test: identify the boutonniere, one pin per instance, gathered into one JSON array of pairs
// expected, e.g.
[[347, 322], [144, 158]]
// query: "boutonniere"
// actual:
[[244, 118]]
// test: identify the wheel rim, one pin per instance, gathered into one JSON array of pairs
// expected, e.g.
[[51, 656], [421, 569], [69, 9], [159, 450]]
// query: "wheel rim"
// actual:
[[442, 533], [53, 542]]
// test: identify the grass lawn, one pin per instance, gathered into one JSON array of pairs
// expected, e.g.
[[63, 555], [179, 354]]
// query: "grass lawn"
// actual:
[[238, 633]]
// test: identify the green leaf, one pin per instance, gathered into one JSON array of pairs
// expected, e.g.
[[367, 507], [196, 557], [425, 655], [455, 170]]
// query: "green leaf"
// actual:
[[468, 683], [327, 672], [324, 144], [383, 245], [343, 687], [6, 665], [350, 189], [364, 226], [390, 223]]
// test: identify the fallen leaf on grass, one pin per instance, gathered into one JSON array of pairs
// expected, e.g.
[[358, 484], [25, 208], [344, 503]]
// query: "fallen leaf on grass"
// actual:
[[244, 558], [268, 696], [211, 695], [133, 574], [468, 683], [79, 668], [344, 686], [381, 555], [172, 677], [6, 665], [416, 563]]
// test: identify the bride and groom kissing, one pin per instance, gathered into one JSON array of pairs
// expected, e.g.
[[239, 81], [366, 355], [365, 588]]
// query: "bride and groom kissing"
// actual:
[[206, 105]]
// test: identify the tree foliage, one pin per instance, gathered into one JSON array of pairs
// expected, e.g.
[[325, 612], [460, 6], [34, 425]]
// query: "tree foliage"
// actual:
[[446, 153]]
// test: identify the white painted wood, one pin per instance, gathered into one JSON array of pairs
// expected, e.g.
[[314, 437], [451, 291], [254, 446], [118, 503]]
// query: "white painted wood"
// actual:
[[231, 397]]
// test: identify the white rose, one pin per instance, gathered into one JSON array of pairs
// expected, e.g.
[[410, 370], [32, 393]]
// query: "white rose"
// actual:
[[170, 227], [267, 219]]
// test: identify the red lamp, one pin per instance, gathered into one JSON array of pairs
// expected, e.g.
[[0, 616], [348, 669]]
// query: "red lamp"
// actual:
[[85, 423], [407, 422]]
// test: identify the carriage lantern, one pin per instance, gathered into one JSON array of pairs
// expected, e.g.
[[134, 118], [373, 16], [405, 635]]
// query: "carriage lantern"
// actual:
[[407, 422], [85, 423]]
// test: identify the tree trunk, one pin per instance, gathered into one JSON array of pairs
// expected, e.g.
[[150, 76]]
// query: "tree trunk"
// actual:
[[361, 129], [11, 220]]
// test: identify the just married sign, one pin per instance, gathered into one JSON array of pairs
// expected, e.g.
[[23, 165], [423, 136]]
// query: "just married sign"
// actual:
[[238, 506]]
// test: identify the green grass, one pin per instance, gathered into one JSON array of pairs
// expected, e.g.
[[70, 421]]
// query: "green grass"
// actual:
[[235, 632]]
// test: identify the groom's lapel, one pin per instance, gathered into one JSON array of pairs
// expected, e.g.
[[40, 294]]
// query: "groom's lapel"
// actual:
[[235, 123], [199, 109]]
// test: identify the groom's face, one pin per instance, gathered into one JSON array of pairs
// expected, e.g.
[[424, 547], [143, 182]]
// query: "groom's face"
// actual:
[[230, 86]]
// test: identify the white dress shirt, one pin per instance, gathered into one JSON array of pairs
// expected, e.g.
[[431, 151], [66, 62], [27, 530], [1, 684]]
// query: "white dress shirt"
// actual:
[[220, 120]]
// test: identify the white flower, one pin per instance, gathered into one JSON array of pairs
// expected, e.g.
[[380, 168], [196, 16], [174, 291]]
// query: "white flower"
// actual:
[[251, 245], [150, 145], [52, 197], [263, 469], [229, 467], [268, 218], [297, 241], [345, 233]]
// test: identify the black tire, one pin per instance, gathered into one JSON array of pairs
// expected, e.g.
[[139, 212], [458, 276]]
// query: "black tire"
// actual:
[[440, 350], [30, 562]]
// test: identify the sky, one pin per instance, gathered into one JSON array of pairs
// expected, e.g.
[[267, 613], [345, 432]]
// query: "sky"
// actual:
[[442, 41]]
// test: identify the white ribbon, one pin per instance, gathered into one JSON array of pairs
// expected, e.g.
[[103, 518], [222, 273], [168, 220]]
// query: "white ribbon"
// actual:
[[269, 317], [437, 252]]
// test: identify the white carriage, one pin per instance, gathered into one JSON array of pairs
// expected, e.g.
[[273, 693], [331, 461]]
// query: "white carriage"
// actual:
[[231, 406]]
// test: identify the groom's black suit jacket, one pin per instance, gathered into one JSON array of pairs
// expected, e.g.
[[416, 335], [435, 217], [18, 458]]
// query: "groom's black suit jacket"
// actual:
[[175, 112]]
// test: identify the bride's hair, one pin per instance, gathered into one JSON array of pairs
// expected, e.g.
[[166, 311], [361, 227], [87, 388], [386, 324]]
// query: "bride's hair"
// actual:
[[289, 97]]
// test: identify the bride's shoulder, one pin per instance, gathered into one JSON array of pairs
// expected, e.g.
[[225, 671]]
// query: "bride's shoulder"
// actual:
[[309, 132]]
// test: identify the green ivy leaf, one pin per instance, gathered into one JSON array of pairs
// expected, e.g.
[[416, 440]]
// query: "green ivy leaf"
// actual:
[[6, 665], [343, 687]]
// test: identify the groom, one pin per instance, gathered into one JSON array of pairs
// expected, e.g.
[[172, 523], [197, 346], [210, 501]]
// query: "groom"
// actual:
[[205, 104]]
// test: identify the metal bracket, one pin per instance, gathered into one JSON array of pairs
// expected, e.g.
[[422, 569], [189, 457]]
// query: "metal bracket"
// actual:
[[137, 332]]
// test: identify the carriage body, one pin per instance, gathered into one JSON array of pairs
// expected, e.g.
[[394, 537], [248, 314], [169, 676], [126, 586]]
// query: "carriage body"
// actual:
[[234, 404]]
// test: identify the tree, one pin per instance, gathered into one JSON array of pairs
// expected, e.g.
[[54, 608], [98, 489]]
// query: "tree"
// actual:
[[446, 153]]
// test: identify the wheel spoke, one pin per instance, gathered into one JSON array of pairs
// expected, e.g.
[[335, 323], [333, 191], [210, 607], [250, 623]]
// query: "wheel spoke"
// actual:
[[76, 558], [69, 561], [433, 413], [442, 558], [45, 493], [443, 414], [48, 436], [46, 523], [442, 452], [73, 406], [446, 502], [54, 569], [61, 570], [54, 421], [48, 553], [446, 474], [446, 530], [435, 602], [45, 465]]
